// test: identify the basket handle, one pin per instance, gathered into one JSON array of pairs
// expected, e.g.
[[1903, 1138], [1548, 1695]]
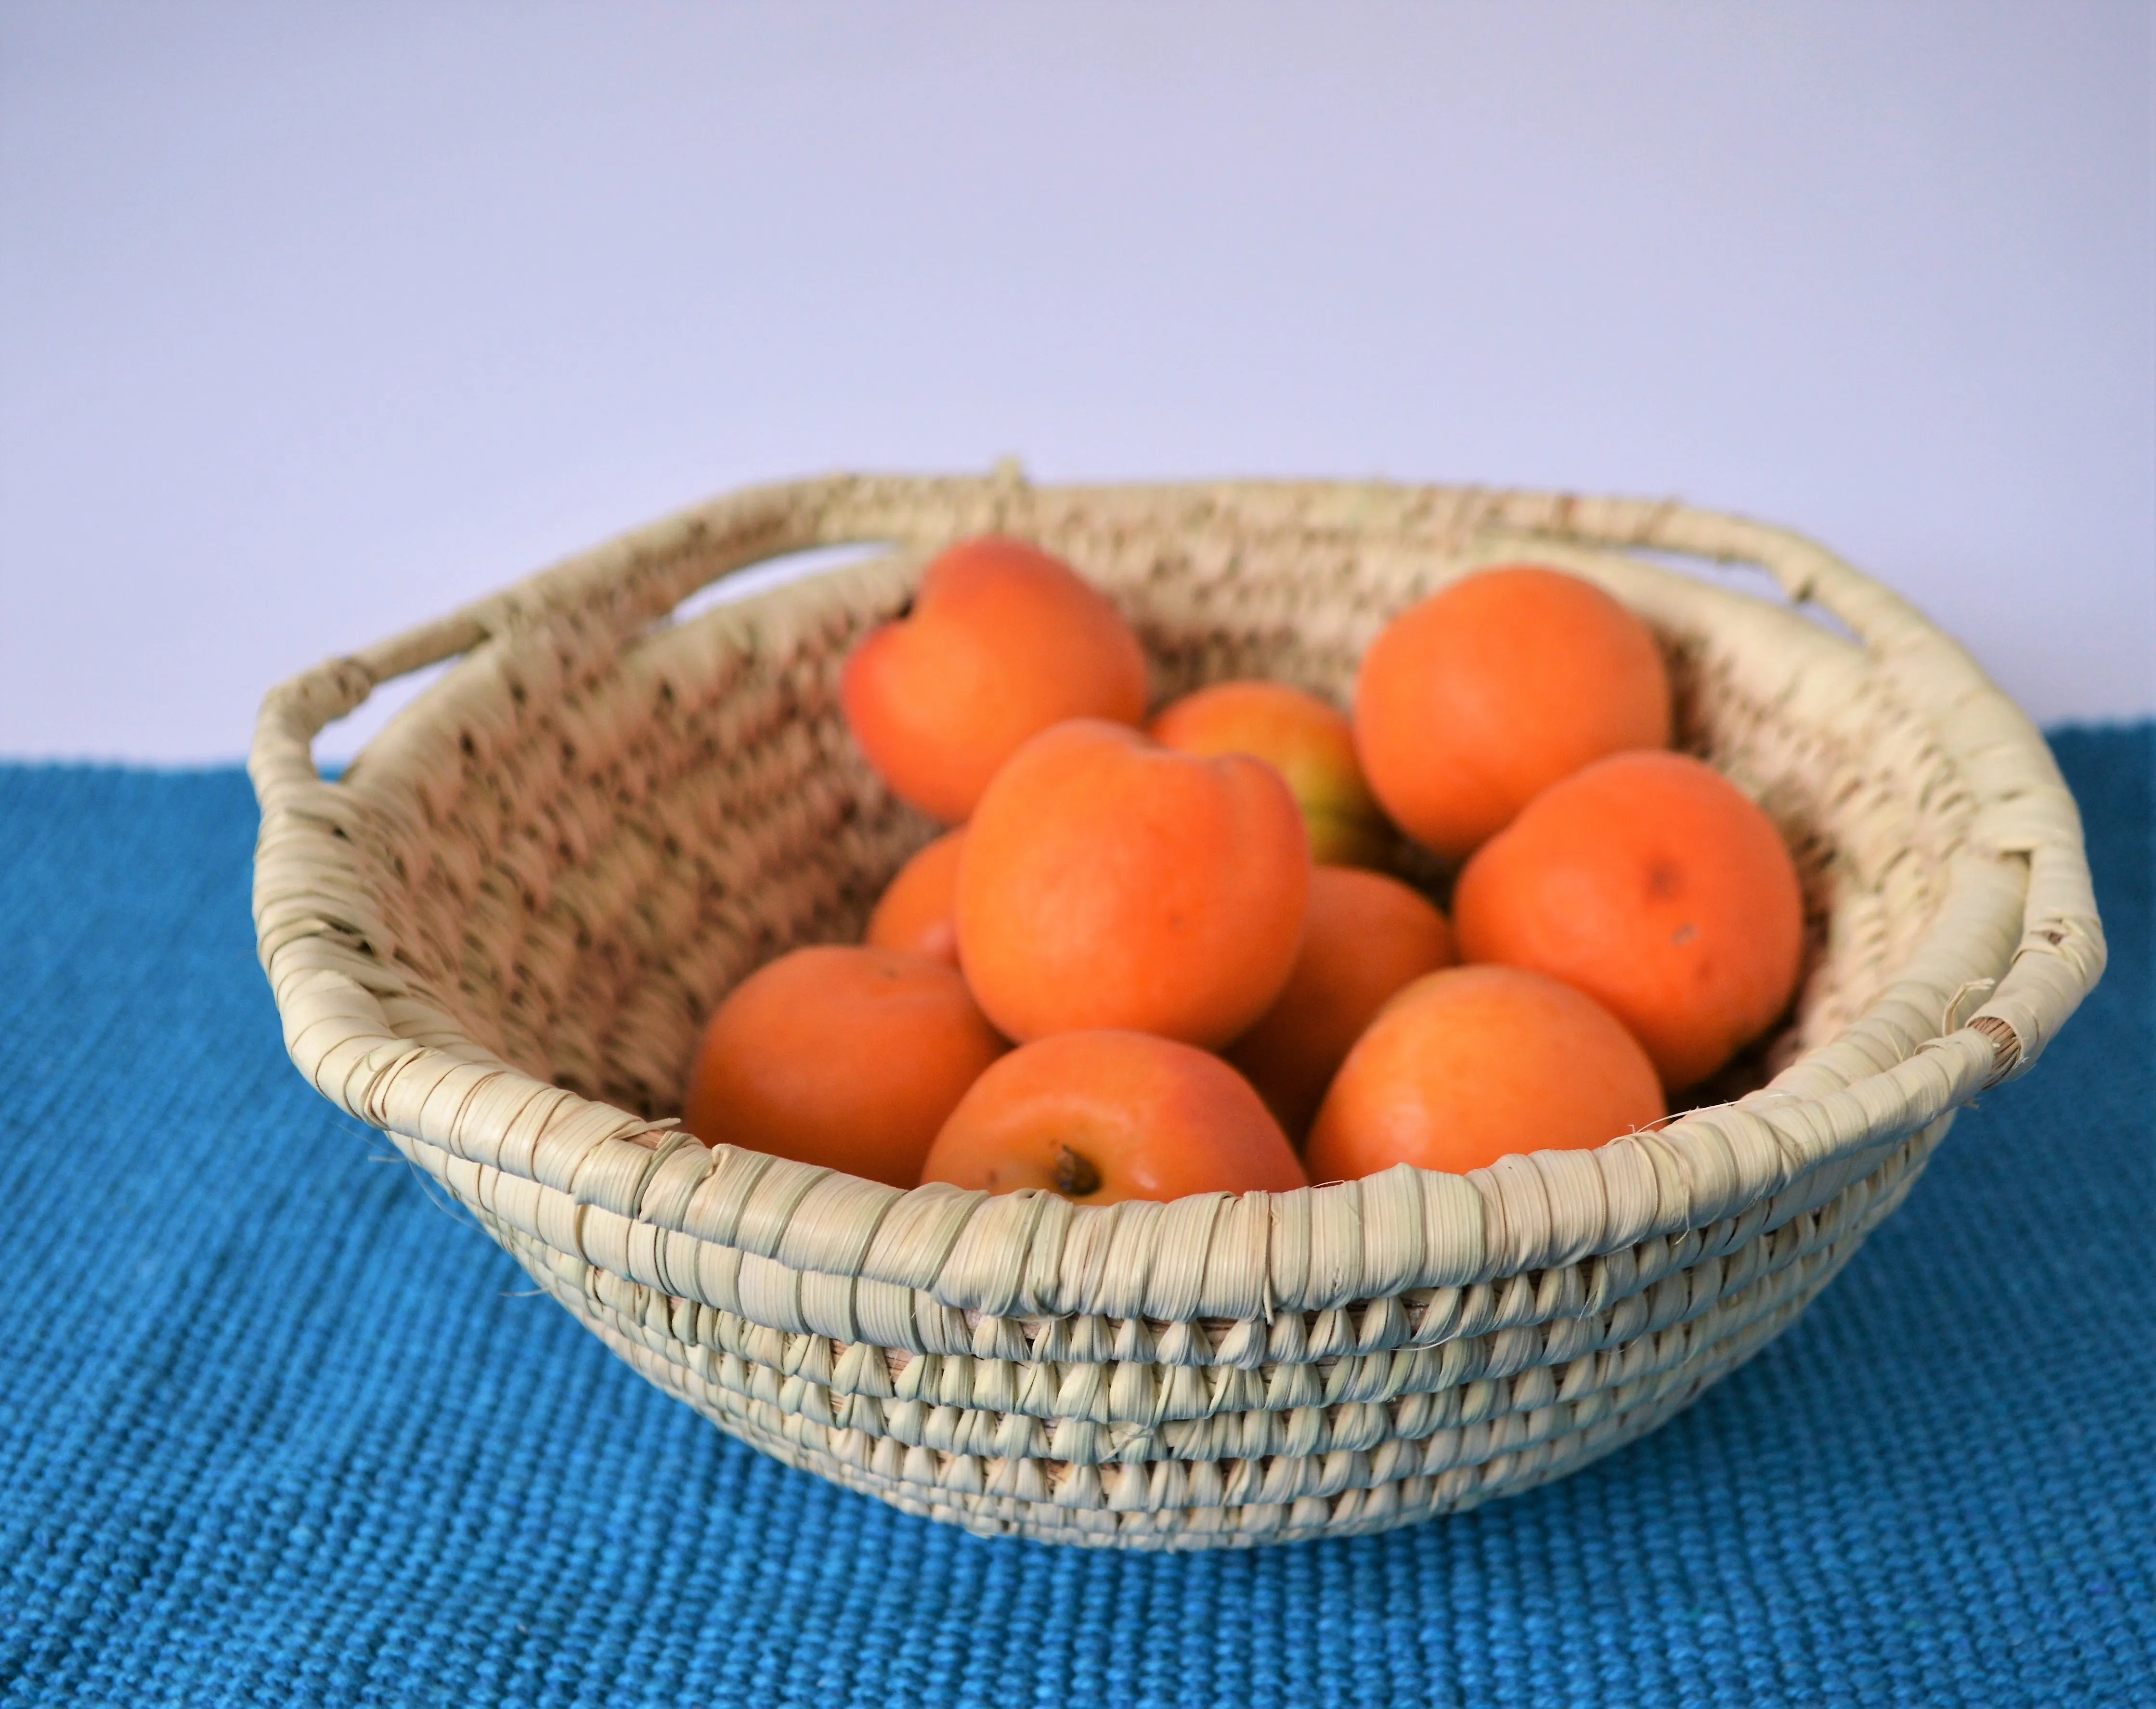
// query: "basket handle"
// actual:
[[620, 587], [630, 581]]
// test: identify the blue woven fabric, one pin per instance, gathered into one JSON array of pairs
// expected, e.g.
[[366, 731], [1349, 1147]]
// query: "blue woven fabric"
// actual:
[[275, 1429]]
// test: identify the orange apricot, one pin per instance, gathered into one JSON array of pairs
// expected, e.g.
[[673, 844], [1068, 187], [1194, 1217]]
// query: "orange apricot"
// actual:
[[1102, 1116], [846, 1057], [918, 910], [1109, 882], [1649, 881], [1002, 640], [1470, 1065], [1486, 693], [1364, 936], [1301, 739]]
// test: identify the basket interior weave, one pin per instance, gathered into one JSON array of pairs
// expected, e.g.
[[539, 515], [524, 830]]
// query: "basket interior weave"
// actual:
[[590, 877]]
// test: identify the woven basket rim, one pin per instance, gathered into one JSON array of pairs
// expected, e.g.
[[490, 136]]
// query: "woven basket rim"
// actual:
[[1210, 1256]]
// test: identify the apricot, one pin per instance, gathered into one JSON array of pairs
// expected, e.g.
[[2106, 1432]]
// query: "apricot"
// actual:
[[846, 1057], [1364, 936], [1471, 702], [1102, 1116], [1109, 882], [918, 910], [1306, 742], [1003, 641], [1470, 1065], [1649, 881]]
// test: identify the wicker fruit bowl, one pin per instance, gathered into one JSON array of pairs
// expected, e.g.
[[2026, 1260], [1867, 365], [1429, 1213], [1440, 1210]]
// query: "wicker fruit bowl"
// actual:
[[496, 935]]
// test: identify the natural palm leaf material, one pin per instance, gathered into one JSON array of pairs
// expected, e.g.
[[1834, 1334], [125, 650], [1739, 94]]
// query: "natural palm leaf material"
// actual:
[[496, 936]]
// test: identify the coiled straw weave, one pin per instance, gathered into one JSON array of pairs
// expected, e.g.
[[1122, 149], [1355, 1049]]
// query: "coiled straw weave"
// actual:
[[495, 937]]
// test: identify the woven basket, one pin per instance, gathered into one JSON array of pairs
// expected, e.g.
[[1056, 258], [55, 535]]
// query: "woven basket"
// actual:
[[495, 937]]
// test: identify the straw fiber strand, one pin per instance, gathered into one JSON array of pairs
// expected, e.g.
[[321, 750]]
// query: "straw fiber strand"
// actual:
[[496, 937]]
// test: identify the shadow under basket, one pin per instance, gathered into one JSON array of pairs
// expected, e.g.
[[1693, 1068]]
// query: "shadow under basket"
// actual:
[[496, 937]]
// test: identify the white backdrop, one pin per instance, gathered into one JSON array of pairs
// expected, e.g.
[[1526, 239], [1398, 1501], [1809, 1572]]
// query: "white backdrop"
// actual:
[[315, 321]]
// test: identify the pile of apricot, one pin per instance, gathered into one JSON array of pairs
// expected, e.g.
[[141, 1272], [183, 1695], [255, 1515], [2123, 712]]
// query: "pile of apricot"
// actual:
[[1156, 958]]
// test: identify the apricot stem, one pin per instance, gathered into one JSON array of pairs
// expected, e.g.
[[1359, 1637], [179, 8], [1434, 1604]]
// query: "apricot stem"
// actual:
[[1075, 1176]]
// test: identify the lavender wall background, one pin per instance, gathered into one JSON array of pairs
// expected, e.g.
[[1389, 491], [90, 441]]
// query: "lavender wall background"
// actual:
[[317, 320]]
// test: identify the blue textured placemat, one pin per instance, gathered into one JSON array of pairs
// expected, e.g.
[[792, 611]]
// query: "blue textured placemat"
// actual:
[[275, 1430]]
